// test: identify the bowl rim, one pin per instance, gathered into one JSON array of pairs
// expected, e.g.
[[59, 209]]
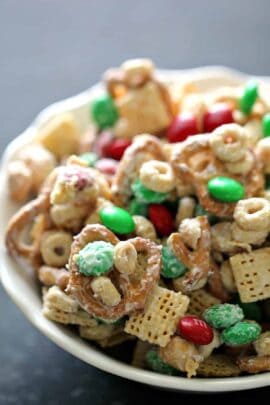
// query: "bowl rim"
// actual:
[[59, 334]]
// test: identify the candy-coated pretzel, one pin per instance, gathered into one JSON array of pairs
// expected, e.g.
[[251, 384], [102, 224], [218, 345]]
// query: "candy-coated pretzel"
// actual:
[[144, 148], [197, 261], [134, 290], [196, 164]]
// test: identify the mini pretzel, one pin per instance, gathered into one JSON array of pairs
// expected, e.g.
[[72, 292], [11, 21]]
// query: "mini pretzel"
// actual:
[[18, 248], [195, 163], [143, 149], [198, 261], [50, 276], [134, 291], [254, 364]]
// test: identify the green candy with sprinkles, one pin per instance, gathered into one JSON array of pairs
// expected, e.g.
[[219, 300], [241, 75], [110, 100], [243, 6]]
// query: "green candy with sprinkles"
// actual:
[[242, 333], [171, 266], [95, 258], [223, 315]]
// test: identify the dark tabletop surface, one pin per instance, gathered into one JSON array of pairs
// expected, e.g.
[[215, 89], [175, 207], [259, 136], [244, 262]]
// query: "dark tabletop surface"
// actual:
[[52, 49]]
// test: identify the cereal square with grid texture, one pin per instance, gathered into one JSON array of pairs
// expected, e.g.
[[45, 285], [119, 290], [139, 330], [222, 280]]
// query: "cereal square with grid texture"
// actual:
[[252, 274], [159, 320], [200, 300], [218, 365]]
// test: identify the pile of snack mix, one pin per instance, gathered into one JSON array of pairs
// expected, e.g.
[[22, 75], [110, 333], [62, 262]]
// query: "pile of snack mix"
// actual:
[[153, 225]]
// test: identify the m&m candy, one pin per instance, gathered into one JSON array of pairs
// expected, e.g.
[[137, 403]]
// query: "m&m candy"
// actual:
[[226, 189], [195, 330]]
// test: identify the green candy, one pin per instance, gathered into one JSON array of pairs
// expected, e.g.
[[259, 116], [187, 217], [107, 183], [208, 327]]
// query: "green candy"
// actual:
[[171, 266], [241, 333], [117, 219], [248, 97], [225, 189], [90, 158], [223, 315], [104, 111], [156, 364], [138, 208], [95, 258], [145, 195], [266, 125]]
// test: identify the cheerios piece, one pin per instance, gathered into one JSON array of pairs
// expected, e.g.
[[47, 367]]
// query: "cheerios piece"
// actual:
[[186, 207], [106, 291], [229, 142], [253, 214], [242, 166], [144, 228], [55, 247], [190, 231], [125, 257], [157, 176]]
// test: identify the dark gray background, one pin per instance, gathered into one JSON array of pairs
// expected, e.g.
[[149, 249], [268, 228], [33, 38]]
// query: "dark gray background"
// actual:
[[52, 49]]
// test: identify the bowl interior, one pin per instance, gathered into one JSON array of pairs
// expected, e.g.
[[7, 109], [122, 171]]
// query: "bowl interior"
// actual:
[[25, 292]]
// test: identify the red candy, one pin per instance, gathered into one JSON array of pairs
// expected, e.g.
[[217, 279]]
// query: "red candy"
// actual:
[[162, 219], [116, 148], [195, 330], [107, 166], [181, 127], [218, 114]]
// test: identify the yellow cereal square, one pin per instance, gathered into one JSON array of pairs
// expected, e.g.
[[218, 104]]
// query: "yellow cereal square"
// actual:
[[159, 320], [252, 274]]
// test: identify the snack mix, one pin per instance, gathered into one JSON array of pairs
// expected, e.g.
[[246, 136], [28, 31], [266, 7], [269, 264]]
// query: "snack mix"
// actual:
[[153, 224]]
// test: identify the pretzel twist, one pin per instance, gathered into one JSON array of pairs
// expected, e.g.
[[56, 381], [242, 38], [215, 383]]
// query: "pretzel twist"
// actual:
[[133, 290]]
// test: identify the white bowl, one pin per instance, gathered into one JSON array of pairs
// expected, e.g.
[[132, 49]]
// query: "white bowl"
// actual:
[[25, 292]]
